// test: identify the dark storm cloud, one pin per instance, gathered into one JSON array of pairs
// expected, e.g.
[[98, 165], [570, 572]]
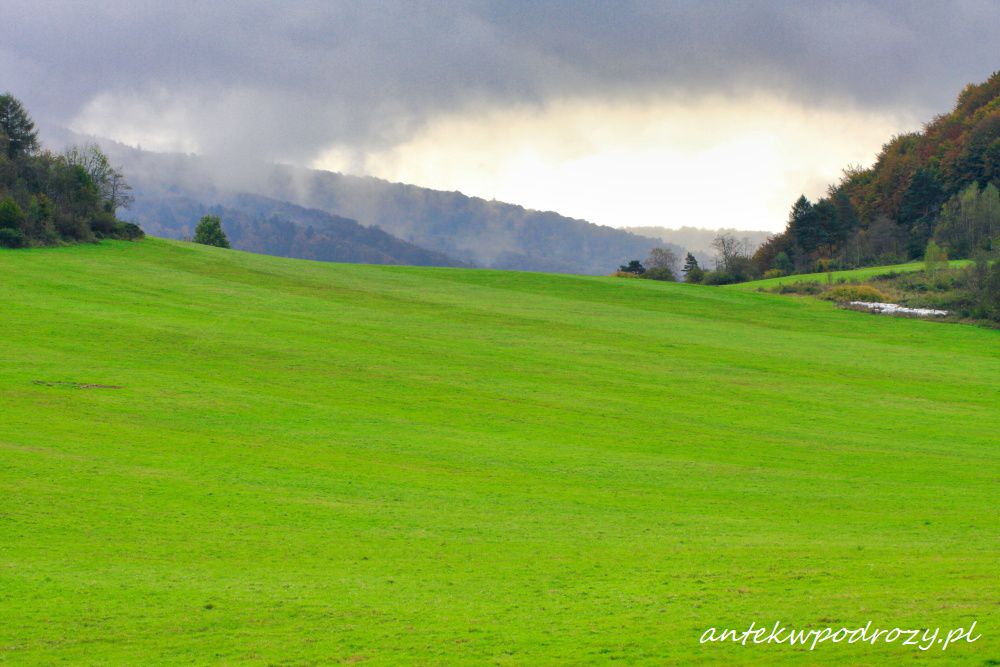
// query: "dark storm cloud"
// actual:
[[292, 78]]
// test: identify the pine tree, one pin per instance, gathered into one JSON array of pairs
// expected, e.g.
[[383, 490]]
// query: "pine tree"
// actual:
[[690, 263], [805, 225], [22, 138]]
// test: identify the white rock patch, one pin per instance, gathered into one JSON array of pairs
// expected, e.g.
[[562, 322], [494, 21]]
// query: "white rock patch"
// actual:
[[896, 309]]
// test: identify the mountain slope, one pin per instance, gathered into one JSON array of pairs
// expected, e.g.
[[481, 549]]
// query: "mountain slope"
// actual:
[[487, 233], [210, 456], [271, 227], [466, 229]]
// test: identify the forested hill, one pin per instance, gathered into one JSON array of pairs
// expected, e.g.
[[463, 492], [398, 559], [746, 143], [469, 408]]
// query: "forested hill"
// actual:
[[939, 184], [465, 229], [270, 227], [487, 233]]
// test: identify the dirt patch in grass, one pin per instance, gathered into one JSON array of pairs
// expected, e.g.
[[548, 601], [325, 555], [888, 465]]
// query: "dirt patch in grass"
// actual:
[[76, 385]]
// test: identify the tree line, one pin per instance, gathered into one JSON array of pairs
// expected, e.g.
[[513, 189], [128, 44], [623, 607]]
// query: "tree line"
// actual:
[[48, 198], [938, 185], [734, 263]]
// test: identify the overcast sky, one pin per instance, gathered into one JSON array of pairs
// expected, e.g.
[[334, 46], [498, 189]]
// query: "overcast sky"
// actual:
[[624, 113]]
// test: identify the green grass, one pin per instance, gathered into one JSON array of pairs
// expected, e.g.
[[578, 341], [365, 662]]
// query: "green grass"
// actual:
[[311, 463], [849, 276]]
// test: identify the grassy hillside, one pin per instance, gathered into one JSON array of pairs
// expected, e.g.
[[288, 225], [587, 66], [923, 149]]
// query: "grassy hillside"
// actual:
[[852, 275], [208, 456]]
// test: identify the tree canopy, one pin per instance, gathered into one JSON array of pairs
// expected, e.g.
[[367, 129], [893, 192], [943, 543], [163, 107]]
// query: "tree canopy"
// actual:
[[937, 184], [46, 198]]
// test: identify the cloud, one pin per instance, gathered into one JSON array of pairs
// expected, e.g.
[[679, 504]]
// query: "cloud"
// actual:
[[669, 161], [290, 80]]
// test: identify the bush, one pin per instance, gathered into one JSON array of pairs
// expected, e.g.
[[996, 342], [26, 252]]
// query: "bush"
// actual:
[[624, 274], [11, 238], [935, 258], [846, 293], [659, 273], [774, 273], [634, 266], [800, 287], [694, 275], [718, 278], [128, 231], [11, 215]]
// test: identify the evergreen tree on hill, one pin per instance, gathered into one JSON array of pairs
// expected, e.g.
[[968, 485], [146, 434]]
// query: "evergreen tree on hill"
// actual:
[[209, 232], [18, 128]]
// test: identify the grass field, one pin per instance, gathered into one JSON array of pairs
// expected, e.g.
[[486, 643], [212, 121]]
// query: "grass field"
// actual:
[[849, 275], [300, 463]]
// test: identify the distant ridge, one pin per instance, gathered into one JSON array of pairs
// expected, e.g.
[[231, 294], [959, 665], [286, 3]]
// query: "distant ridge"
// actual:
[[486, 233], [270, 227], [449, 227]]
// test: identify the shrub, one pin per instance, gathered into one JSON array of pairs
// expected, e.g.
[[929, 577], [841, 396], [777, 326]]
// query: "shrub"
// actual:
[[741, 269], [718, 278], [694, 275], [935, 258], [845, 293], [800, 287], [11, 238], [11, 215], [624, 274], [128, 231], [635, 266], [659, 273], [774, 273]]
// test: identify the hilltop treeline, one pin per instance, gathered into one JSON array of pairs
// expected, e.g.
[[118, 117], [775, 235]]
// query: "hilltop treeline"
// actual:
[[47, 198], [939, 184]]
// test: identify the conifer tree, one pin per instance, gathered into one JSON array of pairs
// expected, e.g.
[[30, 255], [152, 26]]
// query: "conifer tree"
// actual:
[[16, 124], [209, 232]]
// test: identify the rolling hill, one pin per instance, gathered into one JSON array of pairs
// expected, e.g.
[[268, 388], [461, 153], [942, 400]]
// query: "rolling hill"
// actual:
[[450, 225], [209, 456]]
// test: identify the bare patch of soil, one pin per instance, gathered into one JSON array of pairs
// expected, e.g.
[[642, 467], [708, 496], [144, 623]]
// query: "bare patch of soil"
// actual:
[[76, 385]]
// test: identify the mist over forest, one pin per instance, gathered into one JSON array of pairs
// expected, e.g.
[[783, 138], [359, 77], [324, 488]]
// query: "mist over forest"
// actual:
[[271, 208]]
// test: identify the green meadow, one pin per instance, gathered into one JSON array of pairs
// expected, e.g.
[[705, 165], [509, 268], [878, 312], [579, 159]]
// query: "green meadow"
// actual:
[[213, 457]]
